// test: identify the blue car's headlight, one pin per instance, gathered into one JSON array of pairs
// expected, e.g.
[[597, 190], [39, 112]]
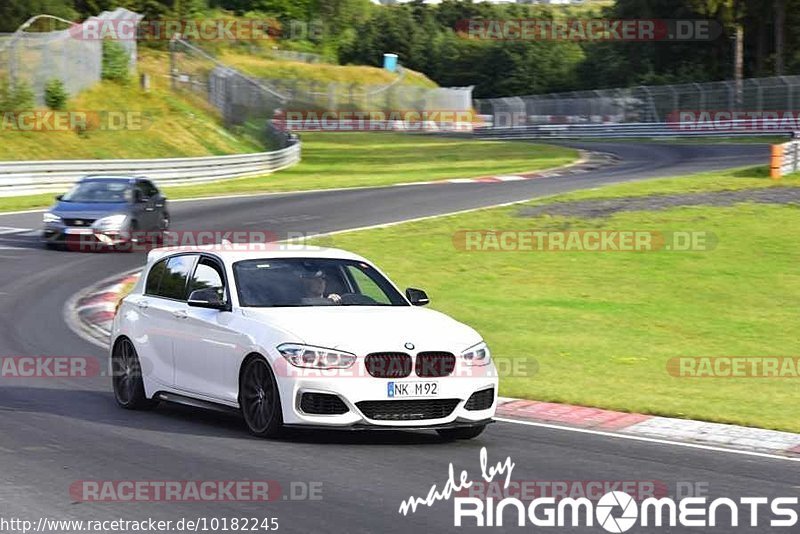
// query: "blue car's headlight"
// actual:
[[477, 355], [112, 222], [316, 357], [48, 218]]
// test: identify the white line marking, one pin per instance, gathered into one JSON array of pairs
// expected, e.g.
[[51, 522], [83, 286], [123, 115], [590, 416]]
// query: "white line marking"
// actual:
[[23, 212], [648, 440], [5, 230], [427, 217]]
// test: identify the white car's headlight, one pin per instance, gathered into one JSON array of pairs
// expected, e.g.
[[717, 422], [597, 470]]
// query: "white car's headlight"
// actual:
[[50, 218], [112, 222], [477, 355], [316, 357]]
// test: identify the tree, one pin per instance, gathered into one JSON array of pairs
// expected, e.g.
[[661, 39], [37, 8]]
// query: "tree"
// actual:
[[15, 12]]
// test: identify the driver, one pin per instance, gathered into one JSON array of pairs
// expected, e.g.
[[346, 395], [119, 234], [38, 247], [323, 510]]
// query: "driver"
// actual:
[[314, 285]]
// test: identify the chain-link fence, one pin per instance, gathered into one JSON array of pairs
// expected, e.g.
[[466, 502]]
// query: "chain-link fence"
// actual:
[[72, 55], [246, 100], [658, 103]]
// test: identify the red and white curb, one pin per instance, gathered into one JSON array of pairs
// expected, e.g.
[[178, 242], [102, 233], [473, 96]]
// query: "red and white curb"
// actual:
[[649, 426], [588, 161], [90, 313]]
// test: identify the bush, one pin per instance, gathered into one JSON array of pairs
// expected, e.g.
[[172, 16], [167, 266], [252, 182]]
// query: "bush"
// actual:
[[115, 62], [55, 94], [17, 98]]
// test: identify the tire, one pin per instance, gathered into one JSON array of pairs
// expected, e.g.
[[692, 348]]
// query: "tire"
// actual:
[[467, 432], [259, 399], [126, 377], [163, 228]]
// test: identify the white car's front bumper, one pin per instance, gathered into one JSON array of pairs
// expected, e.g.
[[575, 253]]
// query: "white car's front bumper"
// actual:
[[448, 407]]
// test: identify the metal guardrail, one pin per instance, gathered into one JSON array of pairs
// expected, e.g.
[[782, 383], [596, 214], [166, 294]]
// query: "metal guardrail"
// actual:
[[728, 128], [27, 177]]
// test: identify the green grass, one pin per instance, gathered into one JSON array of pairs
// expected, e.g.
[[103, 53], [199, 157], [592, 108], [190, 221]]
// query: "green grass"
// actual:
[[602, 326], [334, 160]]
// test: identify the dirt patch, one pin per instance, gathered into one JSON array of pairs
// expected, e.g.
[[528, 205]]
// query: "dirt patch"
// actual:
[[610, 206]]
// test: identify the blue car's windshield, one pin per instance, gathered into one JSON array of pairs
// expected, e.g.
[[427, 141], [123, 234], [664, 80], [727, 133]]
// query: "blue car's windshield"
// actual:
[[312, 282], [99, 191]]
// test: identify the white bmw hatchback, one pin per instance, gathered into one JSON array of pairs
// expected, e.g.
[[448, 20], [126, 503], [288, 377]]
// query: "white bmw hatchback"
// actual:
[[306, 337]]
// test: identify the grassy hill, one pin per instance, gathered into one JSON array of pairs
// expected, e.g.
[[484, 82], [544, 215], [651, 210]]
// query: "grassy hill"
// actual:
[[170, 125], [262, 67]]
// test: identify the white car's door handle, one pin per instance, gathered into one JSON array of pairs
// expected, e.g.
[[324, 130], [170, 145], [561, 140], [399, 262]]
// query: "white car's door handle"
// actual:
[[180, 314], [142, 304]]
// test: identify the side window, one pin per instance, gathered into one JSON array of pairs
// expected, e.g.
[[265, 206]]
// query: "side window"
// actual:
[[149, 189], [173, 284], [141, 192], [366, 286], [154, 278], [208, 274]]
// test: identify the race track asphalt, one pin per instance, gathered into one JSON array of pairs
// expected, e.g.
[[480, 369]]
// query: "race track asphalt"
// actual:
[[54, 432]]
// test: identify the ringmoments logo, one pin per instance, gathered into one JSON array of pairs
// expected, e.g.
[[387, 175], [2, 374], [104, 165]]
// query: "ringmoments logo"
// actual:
[[615, 511]]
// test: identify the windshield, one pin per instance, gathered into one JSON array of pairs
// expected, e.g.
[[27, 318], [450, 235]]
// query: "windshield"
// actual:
[[99, 191], [270, 283]]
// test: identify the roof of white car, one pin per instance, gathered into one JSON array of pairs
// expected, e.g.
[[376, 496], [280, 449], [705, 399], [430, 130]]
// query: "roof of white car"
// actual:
[[233, 252]]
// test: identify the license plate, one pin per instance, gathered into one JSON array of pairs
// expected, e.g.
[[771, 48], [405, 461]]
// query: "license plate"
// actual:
[[412, 389], [78, 231]]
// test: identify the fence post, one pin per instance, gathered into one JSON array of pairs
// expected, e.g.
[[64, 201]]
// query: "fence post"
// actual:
[[172, 62], [332, 95], [789, 93]]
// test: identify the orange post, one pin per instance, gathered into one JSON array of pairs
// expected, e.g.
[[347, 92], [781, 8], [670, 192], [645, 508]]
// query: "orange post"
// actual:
[[776, 161]]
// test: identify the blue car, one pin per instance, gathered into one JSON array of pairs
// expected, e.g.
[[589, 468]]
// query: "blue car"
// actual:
[[114, 212]]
